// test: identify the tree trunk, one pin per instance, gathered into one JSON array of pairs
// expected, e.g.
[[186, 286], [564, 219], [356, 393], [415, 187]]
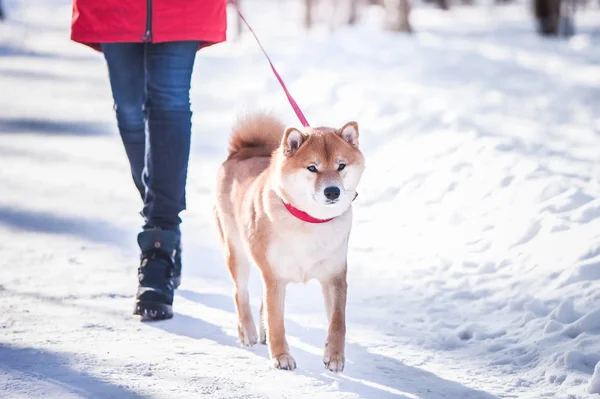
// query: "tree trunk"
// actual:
[[308, 5], [547, 14], [398, 14], [353, 17], [443, 4]]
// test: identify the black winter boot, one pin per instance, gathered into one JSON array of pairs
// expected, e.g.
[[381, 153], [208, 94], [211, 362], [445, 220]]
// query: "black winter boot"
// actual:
[[154, 299]]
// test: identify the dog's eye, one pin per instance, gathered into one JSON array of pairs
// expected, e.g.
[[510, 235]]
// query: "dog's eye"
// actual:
[[312, 168], [341, 166]]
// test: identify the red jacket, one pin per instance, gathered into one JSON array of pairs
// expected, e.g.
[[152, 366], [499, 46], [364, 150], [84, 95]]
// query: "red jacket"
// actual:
[[110, 21]]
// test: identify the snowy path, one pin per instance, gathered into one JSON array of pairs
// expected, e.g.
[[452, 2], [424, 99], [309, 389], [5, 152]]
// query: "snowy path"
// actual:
[[475, 256]]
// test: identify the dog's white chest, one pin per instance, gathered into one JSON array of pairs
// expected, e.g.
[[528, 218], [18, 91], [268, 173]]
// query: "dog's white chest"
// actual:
[[313, 251]]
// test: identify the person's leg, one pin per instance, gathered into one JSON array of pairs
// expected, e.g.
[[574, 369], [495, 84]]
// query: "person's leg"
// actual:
[[168, 75], [128, 83], [169, 69], [127, 74]]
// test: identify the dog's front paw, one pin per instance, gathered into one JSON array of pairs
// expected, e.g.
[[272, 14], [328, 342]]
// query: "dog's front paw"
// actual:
[[334, 362], [284, 362], [247, 334]]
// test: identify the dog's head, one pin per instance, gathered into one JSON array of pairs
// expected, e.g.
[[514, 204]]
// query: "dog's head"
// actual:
[[318, 169]]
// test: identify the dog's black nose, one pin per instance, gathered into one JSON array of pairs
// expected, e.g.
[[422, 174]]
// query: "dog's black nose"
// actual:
[[332, 193]]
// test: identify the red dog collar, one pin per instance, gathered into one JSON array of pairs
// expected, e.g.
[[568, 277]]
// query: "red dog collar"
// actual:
[[305, 217]]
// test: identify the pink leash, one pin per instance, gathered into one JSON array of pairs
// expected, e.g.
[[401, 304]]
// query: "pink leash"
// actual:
[[296, 212], [293, 103]]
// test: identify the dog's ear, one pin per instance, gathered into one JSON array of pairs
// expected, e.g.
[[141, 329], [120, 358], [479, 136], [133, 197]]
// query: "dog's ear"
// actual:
[[349, 133], [292, 140]]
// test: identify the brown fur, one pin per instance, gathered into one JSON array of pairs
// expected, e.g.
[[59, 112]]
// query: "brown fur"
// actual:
[[255, 136], [255, 227]]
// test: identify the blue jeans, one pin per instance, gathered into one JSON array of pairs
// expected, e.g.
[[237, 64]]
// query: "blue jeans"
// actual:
[[151, 85]]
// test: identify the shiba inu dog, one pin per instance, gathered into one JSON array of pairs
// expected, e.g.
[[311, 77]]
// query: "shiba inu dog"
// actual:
[[284, 203]]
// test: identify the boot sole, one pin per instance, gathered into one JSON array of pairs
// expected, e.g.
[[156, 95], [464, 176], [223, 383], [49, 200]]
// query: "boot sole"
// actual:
[[153, 310]]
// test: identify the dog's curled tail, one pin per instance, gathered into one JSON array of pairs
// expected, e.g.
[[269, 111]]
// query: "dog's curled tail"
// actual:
[[255, 135]]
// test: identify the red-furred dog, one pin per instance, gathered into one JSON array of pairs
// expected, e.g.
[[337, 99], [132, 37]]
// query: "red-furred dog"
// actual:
[[284, 203]]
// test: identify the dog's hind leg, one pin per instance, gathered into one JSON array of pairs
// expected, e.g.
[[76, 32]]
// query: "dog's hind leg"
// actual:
[[239, 269]]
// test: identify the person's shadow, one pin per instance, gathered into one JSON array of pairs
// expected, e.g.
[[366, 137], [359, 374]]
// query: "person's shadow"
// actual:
[[367, 374], [35, 373]]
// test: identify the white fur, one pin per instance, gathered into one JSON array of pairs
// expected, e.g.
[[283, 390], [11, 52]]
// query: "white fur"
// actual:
[[311, 251], [293, 139], [300, 188], [350, 134]]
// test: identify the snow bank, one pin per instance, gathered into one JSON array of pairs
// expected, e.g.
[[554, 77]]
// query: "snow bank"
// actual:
[[475, 257]]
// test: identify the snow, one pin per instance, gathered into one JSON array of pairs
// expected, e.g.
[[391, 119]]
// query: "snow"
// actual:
[[475, 254], [595, 381]]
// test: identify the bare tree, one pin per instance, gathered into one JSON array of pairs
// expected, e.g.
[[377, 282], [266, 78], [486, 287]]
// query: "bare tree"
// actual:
[[238, 20], [353, 15], [308, 6], [547, 14], [398, 13], [442, 4]]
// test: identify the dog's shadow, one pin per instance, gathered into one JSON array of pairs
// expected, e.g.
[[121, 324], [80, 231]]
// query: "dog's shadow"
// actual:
[[367, 374]]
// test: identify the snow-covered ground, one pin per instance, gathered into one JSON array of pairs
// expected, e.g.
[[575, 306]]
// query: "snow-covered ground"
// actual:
[[474, 267]]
